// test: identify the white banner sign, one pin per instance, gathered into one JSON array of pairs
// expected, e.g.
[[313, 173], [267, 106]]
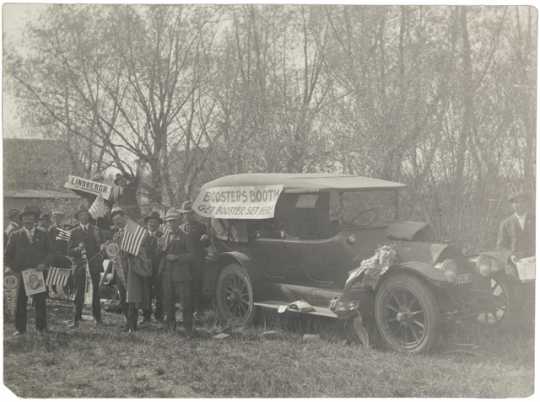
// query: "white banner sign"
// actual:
[[245, 202], [88, 186]]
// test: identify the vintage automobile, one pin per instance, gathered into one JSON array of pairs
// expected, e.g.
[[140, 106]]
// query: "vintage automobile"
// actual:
[[512, 286], [333, 243]]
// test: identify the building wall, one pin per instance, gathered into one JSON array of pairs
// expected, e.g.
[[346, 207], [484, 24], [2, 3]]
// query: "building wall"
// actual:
[[37, 164]]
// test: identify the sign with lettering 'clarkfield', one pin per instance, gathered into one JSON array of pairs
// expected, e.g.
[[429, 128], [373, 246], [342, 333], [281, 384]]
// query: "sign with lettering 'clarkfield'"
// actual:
[[243, 202]]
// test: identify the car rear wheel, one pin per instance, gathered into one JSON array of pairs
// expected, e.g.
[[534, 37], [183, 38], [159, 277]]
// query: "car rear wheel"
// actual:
[[407, 314], [234, 295]]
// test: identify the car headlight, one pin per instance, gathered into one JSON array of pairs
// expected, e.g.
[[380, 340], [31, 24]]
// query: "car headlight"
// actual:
[[449, 268], [486, 266]]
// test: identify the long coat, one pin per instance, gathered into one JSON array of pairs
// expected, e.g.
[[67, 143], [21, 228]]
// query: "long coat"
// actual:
[[21, 254], [133, 270], [521, 242]]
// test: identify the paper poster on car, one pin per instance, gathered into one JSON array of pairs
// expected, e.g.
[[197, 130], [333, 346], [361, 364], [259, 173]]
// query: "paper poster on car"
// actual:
[[242, 202]]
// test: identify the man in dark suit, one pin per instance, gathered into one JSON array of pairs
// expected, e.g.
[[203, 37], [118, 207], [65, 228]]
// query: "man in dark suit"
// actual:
[[86, 238], [153, 284], [28, 247], [13, 224], [176, 275], [198, 241], [517, 232], [58, 239]]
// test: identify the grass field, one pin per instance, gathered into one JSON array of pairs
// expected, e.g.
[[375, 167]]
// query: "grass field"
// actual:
[[105, 362]]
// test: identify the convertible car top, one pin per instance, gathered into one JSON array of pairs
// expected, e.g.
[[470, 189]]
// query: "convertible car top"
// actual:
[[300, 182]]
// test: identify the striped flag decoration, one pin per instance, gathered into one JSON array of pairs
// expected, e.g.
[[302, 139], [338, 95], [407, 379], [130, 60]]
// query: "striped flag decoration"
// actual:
[[58, 276], [98, 209], [134, 235], [63, 234]]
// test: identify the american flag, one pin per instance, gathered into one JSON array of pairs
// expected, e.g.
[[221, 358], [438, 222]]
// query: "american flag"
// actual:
[[58, 276], [63, 234], [98, 209], [134, 235]]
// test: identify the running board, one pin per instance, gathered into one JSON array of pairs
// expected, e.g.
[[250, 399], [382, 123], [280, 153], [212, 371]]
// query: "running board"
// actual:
[[318, 311]]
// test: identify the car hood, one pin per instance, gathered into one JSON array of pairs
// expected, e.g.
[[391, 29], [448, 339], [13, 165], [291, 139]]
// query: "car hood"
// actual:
[[405, 230], [430, 253]]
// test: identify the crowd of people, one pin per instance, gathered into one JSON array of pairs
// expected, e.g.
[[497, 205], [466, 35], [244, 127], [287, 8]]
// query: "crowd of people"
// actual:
[[167, 267]]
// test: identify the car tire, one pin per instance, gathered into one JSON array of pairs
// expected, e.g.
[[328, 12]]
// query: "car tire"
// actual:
[[234, 296], [407, 314], [506, 303]]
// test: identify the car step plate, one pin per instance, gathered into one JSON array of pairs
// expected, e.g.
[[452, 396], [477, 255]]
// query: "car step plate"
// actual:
[[318, 311]]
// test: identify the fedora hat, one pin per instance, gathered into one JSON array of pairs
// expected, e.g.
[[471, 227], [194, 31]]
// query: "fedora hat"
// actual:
[[57, 212], [44, 215], [13, 213], [186, 207], [119, 176], [80, 211], [117, 210], [30, 211], [153, 215], [172, 214]]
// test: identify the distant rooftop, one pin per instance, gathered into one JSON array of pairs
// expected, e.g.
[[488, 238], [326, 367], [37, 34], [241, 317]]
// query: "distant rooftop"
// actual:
[[39, 194]]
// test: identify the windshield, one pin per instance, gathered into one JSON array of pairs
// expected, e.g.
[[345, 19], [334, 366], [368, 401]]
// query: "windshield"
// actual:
[[368, 208]]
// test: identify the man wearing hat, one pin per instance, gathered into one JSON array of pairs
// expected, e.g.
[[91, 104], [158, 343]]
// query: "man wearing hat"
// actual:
[[28, 247], [58, 240], [85, 239], [44, 222], [13, 224], [124, 194], [175, 271], [133, 270], [198, 240], [153, 285], [517, 232]]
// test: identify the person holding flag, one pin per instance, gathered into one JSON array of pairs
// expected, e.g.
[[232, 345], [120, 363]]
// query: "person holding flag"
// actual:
[[153, 285], [133, 266], [84, 247], [59, 236], [28, 247]]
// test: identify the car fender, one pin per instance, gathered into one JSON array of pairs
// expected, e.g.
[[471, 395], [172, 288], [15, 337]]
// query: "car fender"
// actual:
[[365, 294], [423, 270], [229, 257]]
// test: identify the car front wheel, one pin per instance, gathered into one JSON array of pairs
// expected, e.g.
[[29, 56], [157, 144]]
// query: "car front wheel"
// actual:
[[234, 295], [407, 314], [499, 306]]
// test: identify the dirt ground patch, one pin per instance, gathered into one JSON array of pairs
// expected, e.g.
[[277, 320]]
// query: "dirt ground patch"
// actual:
[[106, 362]]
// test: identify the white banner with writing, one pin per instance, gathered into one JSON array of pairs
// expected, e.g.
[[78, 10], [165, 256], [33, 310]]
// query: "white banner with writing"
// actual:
[[88, 186], [242, 202]]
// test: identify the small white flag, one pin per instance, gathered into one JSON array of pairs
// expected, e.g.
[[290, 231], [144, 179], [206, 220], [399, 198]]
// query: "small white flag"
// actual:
[[98, 209]]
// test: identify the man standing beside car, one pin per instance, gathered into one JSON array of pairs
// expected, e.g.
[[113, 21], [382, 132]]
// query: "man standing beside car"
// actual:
[[175, 273], [517, 232], [198, 240]]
